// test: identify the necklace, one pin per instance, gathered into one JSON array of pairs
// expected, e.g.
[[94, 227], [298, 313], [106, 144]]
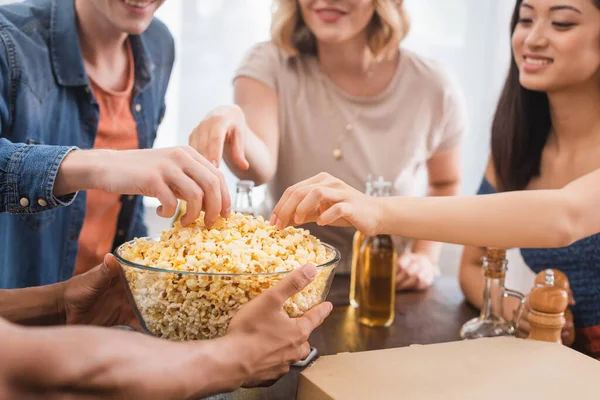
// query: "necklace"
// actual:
[[337, 152]]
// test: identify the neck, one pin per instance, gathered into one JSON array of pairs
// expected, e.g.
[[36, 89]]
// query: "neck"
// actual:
[[352, 57], [575, 115], [101, 43]]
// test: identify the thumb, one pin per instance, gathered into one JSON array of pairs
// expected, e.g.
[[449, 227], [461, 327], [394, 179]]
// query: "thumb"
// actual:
[[294, 282]]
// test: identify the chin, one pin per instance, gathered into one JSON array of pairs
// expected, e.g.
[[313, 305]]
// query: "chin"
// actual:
[[135, 27], [537, 83]]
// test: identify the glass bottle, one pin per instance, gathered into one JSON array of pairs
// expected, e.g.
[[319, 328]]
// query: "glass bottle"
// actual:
[[357, 242], [243, 198], [491, 321], [377, 273]]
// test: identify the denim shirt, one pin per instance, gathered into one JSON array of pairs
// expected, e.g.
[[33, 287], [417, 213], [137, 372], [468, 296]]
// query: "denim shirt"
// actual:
[[47, 109]]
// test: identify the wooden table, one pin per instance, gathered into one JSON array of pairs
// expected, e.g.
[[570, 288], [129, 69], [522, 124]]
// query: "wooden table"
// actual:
[[432, 316]]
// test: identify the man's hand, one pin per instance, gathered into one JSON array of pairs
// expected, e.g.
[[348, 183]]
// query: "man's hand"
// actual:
[[268, 339], [99, 297], [167, 174]]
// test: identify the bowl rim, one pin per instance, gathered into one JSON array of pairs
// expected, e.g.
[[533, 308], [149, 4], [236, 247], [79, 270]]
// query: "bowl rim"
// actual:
[[117, 253]]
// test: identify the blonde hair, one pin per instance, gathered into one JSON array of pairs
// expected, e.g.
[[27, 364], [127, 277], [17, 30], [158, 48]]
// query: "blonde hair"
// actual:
[[388, 27]]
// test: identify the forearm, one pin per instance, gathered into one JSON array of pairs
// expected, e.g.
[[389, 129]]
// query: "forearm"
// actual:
[[106, 363], [33, 306], [471, 281], [429, 248], [541, 218], [262, 162]]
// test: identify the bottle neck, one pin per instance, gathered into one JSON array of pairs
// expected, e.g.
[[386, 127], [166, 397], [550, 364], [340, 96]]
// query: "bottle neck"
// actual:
[[243, 202], [493, 292]]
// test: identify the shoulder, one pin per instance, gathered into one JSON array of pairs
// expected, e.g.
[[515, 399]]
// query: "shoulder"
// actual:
[[266, 53], [160, 43], [432, 75], [26, 19]]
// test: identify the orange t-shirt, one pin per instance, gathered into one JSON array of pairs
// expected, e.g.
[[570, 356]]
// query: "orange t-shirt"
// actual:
[[116, 130]]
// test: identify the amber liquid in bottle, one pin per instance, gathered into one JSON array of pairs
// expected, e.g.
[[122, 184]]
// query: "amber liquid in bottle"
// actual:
[[377, 289], [357, 242]]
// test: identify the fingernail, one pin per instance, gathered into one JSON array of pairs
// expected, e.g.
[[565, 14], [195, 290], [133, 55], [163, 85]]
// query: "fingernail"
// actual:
[[279, 224], [215, 163], [310, 271], [327, 310], [273, 219], [297, 219]]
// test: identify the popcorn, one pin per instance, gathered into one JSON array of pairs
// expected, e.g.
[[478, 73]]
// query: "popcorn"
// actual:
[[183, 305]]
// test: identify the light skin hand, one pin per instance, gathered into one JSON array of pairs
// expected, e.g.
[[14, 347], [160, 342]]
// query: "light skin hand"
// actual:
[[167, 174]]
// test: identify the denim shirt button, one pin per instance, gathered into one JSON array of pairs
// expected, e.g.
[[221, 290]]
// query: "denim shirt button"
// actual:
[[138, 107], [42, 202], [24, 202], [120, 233], [130, 197]]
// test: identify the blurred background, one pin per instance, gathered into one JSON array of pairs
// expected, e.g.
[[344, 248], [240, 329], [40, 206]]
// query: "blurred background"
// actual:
[[471, 37]]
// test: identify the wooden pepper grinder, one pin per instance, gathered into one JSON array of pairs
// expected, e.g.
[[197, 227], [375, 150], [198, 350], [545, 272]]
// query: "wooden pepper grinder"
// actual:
[[561, 281], [548, 303]]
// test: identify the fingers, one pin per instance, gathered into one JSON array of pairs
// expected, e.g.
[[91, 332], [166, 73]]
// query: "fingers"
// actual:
[[313, 200], [238, 152], [336, 215], [112, 265], [167, 199], [215, 142], [217, 197], [189, 190], [313, 318], [285, 215], [293, 283], [292, 190]]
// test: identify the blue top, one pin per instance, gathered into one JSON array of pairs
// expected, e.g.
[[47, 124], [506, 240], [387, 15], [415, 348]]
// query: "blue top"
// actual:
[[47, 109], [580, 262]]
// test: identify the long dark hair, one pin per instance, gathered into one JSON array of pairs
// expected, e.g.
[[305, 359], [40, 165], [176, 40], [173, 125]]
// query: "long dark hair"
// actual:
[[520, 128]]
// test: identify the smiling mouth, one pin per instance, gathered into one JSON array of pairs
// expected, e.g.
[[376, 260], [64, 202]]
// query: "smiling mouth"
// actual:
[[139, 3], [537, 60]]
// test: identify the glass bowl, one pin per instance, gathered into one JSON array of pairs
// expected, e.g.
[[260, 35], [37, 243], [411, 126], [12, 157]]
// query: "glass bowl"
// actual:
[[184, 305]]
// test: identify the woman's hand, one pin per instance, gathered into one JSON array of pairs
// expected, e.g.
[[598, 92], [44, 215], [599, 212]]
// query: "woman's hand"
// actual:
[[327, 200], [222, 130], [415, 271]]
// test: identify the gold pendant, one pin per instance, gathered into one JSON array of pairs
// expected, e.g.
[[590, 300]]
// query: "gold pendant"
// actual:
[[337, 154]]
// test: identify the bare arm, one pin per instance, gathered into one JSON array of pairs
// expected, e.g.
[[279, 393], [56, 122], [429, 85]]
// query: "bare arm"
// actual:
[[444, 176], [530, 218], [77, 362], [68, 362], [260, 105], [33, 306]]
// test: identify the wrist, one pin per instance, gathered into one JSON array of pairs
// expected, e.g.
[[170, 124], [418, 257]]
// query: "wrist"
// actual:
[[59, 301], [219, 363], [380, 207], [77, 172]]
